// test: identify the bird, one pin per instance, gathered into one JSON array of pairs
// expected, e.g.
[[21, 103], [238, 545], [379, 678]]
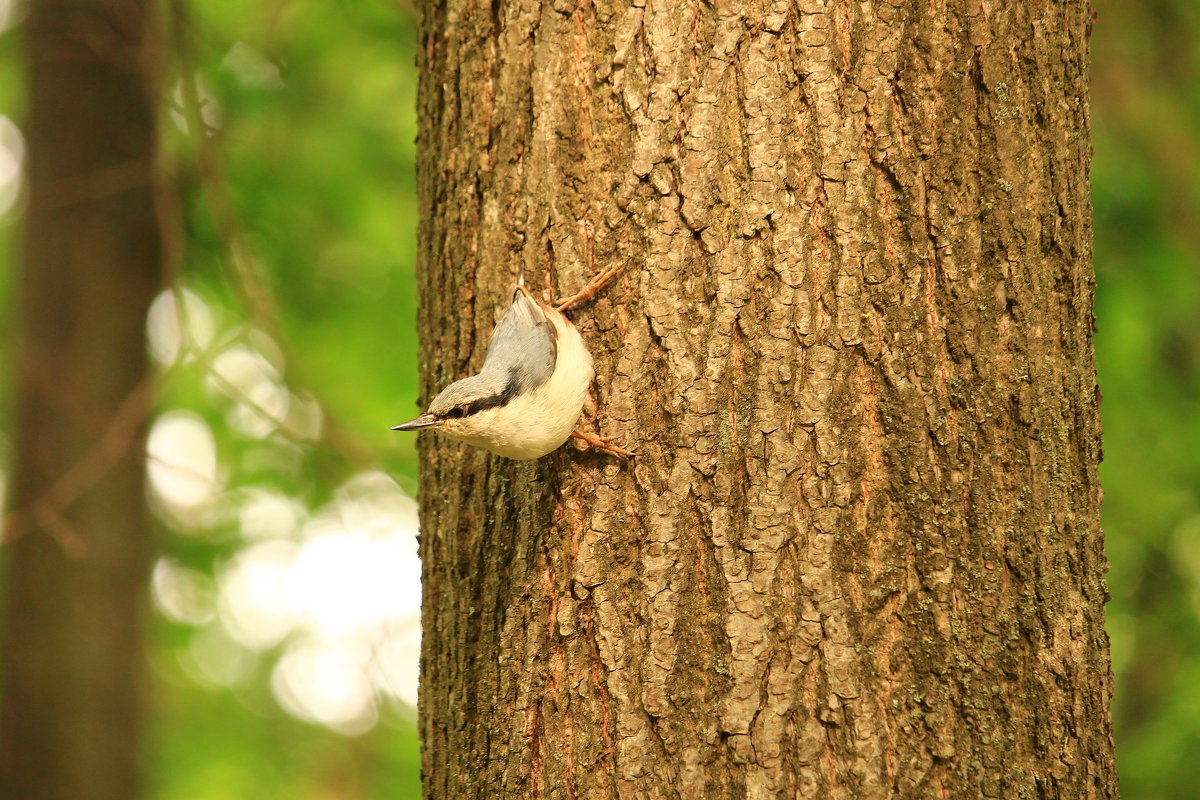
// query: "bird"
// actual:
[[530, 392]]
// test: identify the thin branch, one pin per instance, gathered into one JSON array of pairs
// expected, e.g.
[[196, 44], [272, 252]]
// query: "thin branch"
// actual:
[[113, 445]]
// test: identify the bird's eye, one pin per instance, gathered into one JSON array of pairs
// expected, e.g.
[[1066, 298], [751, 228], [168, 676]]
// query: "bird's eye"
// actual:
[[454, 413]]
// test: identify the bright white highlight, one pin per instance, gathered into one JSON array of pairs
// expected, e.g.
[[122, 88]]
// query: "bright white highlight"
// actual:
[[342, 598], [173, 334], [325, 685], [265, 514], [12, 155], [261, 401], [256, 604], [183, 462]]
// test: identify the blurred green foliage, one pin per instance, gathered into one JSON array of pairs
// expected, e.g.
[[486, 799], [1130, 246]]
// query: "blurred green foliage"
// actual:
[[312, 107], [1146, 196], [316, 110]]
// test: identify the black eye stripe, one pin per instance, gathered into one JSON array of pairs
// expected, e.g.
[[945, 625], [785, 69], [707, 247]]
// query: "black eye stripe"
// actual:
[[484, 403]]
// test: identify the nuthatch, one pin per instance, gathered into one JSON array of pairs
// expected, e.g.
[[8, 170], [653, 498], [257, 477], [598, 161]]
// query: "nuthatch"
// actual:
[[526, 400]]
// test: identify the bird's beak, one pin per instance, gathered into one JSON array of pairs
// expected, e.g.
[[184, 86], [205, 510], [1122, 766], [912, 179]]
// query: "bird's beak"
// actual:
[[423, 421]]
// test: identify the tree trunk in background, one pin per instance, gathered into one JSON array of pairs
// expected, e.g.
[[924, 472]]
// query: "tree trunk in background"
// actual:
[[74, 670], [858, 554]]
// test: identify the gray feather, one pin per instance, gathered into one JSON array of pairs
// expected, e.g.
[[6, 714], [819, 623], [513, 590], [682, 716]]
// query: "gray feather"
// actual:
[[524, 344], [473, 394]]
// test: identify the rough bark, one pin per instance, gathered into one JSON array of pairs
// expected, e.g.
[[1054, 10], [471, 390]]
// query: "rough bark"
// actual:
[[77, 566], [858, 553]]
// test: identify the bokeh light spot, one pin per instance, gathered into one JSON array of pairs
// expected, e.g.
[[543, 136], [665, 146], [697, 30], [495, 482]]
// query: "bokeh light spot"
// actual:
[[12, 157], [173, 334], [183, 463]]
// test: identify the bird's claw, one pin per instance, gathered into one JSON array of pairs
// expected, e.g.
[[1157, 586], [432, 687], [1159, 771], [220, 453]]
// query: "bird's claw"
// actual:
[[591, 290], [602, 444]]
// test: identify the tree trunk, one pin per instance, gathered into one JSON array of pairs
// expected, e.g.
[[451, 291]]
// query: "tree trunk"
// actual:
[[858, 553], [74, 670]]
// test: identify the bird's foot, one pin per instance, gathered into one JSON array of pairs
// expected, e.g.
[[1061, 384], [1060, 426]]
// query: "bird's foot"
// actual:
[[591, 290], [601, 444]]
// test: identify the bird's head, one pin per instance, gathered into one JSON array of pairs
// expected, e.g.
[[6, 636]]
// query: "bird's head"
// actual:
[[466, 409]]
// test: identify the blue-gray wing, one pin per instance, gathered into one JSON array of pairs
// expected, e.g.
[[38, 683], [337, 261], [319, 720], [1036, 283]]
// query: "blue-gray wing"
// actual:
[[524, 345]]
